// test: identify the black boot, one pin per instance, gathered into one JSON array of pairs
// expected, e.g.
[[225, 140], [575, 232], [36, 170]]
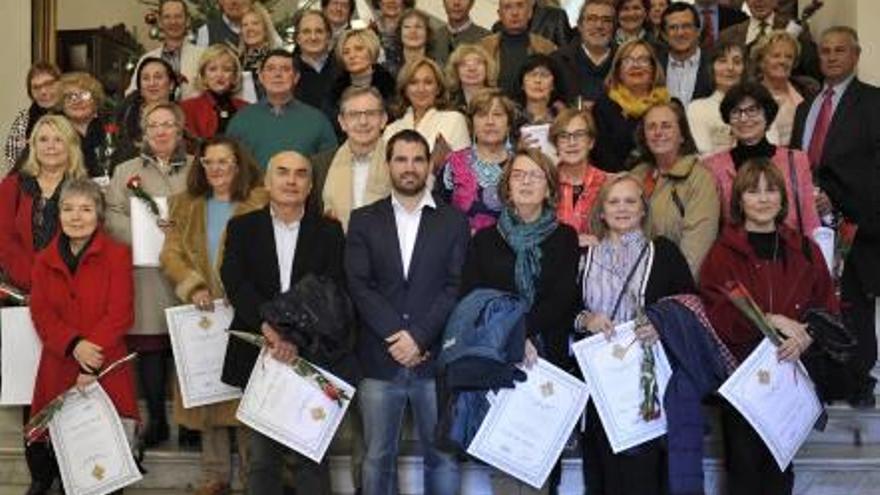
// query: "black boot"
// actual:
[[152, 371], [44, 469]]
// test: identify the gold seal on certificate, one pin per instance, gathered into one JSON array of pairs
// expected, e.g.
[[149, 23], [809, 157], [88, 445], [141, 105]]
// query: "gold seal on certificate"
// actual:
[[198, 342]]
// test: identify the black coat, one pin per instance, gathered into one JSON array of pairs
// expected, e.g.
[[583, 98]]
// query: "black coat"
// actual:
[[704, 85], [849, 171], [581, 76], [549, 22], [615, 137], [316, 88], [250, 274]]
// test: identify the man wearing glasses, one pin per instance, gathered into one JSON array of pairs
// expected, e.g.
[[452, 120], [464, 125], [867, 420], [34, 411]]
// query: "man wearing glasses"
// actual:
[[685, 63], [586, 61]]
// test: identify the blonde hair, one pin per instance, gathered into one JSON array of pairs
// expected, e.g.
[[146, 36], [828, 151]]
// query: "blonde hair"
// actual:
[[760, 52], [365, 36], [268, 27], [172, 107], [459, 54], [75, 161], [613, 78], [211, 54], [406, 75], [84, 81], [597, 224]]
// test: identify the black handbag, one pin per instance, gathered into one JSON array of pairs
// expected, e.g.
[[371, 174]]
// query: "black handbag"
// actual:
[[830, 335]]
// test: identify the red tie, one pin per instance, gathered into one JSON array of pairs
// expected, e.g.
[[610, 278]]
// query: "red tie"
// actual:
[[820, 131], [708, 29]]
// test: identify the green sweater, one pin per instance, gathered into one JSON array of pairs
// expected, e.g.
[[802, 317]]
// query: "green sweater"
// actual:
[[298, 127]]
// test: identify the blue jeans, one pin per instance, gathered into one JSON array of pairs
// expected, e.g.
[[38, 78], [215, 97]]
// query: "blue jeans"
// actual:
[[382, 406]]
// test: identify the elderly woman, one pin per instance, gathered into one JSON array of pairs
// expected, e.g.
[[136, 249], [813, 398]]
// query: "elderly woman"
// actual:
[[225, 185], [635, 84], [258, 37], [423, 99], [684, 205], [728, 68], [471, 175], [749, 108], [156, 82], [774, 59], [541, 92], [82, 306], [317, 67], [82, 97], [531, 254], [218, 79], [632, 21], [161, 171], [469, 70], [573, 132], [387, 25], [624, 272], [43, 90], [785, 274]]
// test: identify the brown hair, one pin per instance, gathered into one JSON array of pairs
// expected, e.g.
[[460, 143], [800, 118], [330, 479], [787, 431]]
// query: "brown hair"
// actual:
[[406, 75], [246, 178], [543, 162], [748, 177], [565, 117], [429, 31], [482, 103], [688, 145], [597, 224], [458, 55], [40, 68], [613, 78]]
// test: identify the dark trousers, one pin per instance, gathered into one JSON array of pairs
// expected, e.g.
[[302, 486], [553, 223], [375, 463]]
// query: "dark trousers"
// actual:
[[152, 367], [265, 470], [858, 309], [638, 471], [751, 469]]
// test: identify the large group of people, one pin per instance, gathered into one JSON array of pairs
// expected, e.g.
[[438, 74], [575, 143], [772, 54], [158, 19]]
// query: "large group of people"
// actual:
[[657, 150]]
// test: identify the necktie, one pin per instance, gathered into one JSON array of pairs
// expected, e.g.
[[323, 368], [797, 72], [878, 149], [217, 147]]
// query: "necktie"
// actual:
[[708, 29], [762, 31], [820, 131]]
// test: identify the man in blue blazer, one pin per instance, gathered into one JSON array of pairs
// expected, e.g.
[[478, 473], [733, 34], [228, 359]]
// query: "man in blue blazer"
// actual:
[[403, 262]]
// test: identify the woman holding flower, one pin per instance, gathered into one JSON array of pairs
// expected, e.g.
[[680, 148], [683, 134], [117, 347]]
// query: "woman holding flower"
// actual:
[[82, 307], [786, 275], [160, 171], [625, 272]]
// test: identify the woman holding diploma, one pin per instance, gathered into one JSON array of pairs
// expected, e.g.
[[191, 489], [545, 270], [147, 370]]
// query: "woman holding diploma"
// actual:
[[625, 272], [82, 307], [225, 184], [532, 254], [786, 275], [160, 172]]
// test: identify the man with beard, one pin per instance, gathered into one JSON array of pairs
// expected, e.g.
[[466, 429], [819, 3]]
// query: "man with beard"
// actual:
[[403, 260]]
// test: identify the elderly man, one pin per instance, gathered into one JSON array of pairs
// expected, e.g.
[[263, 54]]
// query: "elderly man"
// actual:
[[685, 63], [840, 130], [514, 43], [586, 61], [279, 122], [226, 28], [176, 50]]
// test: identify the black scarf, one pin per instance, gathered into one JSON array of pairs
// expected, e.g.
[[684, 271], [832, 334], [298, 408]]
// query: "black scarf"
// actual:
[[70, 259], [34, 113], [742, 152], [224, 109]]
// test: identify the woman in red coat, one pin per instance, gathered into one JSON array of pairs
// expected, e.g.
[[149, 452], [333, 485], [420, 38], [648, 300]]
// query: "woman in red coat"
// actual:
[[219, 79], [786, 275], [82, 307]]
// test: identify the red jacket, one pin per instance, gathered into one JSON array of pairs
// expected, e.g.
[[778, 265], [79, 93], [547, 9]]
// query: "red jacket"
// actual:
[[794, 284], [96, 303], [16, 237], [201, 118]]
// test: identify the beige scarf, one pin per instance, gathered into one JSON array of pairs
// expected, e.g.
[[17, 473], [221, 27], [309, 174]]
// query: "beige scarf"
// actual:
[[337, 194]]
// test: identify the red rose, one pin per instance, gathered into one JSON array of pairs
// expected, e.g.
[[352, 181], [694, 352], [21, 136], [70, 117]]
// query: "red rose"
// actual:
[[111, 128], [330, 391], [134, 182]]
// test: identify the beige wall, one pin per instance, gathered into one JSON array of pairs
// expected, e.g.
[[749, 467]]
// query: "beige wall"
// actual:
[[15, 19]]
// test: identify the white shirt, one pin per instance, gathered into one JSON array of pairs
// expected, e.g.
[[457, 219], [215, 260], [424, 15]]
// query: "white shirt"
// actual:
[[408, 226], [360, 171], [681, 77], [451, 124], [202, 33], [709, 130], [754, 28], [286, 236]]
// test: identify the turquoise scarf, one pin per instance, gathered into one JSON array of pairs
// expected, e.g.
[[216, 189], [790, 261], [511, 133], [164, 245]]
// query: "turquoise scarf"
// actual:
[[525, 239]]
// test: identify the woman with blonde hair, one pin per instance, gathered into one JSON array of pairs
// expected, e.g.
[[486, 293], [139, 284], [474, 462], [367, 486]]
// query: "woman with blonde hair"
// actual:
[[219, 80], [81, 100], [357, 52], [258, 37], [469, 70]]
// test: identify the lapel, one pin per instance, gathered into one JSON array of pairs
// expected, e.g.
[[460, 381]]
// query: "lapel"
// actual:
[[265, 240], [389, 225], [838, 129], [424, 238], [305, 247]]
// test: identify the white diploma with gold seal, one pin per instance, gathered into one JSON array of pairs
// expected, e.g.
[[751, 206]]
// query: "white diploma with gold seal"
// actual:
[[291, 409], [527, 427], [89, 441], [146, 236], [777, 398], [20, 349], [198, 342], [612, 370]]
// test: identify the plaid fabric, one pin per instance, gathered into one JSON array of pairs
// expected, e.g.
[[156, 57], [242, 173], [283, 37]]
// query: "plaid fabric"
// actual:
[[695, 306]]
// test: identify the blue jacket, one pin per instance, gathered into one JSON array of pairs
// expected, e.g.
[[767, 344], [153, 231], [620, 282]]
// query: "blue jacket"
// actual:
[[698, 369]]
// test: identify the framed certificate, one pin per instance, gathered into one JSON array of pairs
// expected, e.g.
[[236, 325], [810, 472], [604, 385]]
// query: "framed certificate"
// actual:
[[198, 342], [777, 398], [291, 409], [612, 370], [20, 349], [146, 236], [94, 456], [526, 427]]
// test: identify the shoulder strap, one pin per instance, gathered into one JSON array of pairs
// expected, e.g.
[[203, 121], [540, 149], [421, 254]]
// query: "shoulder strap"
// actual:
[[793, 180], [629, 277], [679, 204]]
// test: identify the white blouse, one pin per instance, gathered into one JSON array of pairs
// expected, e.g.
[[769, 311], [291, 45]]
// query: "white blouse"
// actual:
[[451, 124], [709, 130]]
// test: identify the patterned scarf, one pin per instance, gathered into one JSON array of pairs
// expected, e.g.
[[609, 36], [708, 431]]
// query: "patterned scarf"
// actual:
[[525, 240], [633, 106]]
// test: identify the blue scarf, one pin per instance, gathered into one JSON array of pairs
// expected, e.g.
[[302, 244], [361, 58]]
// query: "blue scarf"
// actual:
[[525, 239]]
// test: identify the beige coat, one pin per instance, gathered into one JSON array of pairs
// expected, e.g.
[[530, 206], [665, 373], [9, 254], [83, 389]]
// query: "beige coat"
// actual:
[[691, 220], [186, 262], [153, 292], [337, 191]]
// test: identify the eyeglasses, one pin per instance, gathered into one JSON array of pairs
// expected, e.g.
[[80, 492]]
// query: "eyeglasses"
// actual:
[[356, 115], [749, 112], [152, 126], [221, 163], [643, 61], [532, 176], [577, 135], [77, 96]]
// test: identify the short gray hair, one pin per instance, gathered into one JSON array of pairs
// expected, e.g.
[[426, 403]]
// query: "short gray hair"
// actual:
[[85, 187], [352, 92]]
